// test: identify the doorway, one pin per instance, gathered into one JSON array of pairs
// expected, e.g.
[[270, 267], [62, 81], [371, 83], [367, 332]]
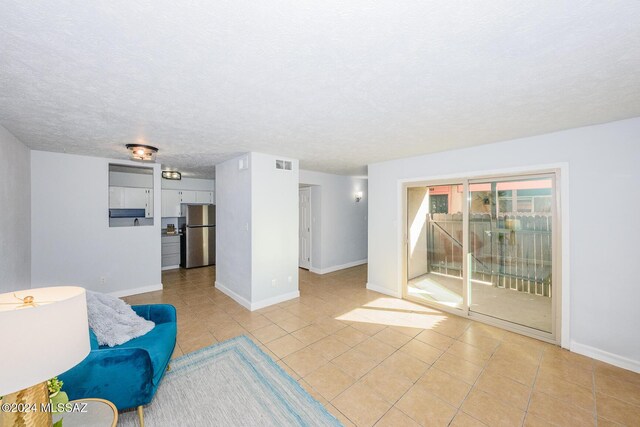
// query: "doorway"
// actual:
[[485, 248], [304, 228]]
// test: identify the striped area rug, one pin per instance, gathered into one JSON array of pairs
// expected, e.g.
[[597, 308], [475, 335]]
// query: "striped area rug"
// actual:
[[232, 383]]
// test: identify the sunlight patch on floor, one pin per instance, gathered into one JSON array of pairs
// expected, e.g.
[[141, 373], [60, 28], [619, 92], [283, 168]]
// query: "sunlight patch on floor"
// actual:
[[407, 319], [432, 291], [399, 304]]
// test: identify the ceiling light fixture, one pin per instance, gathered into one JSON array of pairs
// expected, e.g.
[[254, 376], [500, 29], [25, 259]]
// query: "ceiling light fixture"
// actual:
[[142, 152], [172, 175]]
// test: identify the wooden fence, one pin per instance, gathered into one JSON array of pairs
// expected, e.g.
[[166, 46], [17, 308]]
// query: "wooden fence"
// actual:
[[511, 252]]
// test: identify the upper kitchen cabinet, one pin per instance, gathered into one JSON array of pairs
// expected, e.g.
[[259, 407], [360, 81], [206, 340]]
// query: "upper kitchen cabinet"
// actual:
[[191, 191], [171, 203], [188, 196], [172, 200], [204, 196], [130, 195]]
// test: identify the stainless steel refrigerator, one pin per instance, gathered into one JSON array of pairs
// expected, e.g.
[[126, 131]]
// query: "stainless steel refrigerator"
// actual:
[[198, 242]]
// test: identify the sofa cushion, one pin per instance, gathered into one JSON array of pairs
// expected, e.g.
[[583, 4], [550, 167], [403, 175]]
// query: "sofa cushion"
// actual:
[[159, 343]]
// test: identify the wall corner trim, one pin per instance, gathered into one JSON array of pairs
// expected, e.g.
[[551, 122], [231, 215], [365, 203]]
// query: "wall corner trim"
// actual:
[[274, 300], [136, 291], [234, 296], [383, 290], [338, 267], [252, 306], [605, 356]]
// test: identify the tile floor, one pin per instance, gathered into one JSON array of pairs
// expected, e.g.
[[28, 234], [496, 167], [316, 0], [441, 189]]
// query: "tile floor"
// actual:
[[376, 360]]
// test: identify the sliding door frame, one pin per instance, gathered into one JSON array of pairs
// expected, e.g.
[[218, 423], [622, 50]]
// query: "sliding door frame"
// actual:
[[559, 311]]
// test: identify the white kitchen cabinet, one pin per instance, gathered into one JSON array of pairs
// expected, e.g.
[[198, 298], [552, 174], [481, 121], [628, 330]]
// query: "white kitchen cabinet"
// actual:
[[116, 197], [135, 198], [131, 198], [171, 200], [188, 196], [148, 212], [204, 197]]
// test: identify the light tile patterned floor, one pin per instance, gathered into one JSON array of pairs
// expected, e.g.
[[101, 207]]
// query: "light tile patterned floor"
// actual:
[[376, 360]]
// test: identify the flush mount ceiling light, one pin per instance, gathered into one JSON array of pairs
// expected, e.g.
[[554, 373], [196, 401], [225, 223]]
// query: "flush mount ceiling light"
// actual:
[[172, 175], [142, 152]]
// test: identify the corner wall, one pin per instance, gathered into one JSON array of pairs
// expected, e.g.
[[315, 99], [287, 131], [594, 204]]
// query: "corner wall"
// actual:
[[339, 223], [274, 238], [72, 243], [233, 231], [257, 231], [15, 213], [603, 199]]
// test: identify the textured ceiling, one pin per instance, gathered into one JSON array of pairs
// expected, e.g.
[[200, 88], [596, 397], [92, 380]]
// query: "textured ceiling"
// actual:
[[336, 84]]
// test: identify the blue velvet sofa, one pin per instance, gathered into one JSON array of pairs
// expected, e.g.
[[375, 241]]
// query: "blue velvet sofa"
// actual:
[[129, 374]]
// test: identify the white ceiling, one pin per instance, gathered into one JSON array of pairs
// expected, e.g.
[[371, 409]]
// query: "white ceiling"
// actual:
[[336, 84]]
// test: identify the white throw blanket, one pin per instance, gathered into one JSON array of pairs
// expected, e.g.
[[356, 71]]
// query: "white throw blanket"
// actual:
[[113, 321]]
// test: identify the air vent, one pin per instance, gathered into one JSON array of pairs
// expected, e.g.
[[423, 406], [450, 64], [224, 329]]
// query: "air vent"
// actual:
[[283, 164]]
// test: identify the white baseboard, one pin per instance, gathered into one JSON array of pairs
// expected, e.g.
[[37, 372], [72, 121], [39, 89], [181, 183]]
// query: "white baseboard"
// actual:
[[170, 267], [252, 306], [234, 296], [605, 356], [337, 267], [136, 291], [383, 290], [274, 300]]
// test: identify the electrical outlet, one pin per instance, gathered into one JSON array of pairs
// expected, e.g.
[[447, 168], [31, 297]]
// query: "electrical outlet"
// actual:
[[103, 280], [290, 279], [273, 283]]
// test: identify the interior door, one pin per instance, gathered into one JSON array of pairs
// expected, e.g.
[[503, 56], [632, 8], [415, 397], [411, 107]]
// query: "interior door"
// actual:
[[304, 252]]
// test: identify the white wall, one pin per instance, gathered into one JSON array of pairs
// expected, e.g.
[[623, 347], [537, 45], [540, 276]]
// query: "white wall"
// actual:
[[604, 201], [72, 243], [339, 223], [233, 230], [124, 179], [15, 213], [274, 239], [257, 231]]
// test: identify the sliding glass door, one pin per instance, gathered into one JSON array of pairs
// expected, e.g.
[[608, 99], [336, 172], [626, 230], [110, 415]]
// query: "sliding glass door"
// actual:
[[485, 248], [435, 248]]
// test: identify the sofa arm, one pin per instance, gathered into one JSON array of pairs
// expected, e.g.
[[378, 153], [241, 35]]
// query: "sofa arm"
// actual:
[[157, 313], [120, 375]]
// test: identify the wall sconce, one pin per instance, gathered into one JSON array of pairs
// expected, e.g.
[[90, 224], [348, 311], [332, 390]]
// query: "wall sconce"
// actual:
[[172, 175], [142, 152], [358, 196]]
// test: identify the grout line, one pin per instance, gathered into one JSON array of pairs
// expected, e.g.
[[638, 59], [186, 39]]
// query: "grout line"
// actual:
[[533, 386], [593, 386]]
